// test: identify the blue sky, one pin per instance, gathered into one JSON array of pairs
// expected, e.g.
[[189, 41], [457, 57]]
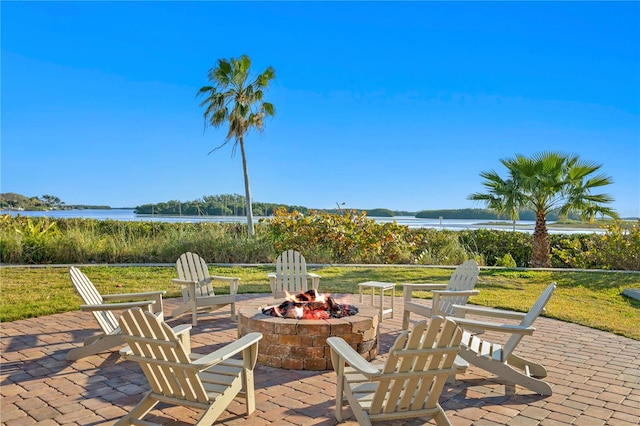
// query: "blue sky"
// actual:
[[378, 104]]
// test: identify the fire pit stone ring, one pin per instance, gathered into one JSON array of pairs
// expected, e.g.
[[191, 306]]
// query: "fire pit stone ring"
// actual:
[[301, 344]]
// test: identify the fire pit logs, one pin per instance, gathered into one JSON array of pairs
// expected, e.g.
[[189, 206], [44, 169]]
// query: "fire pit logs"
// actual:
[[310, 305]]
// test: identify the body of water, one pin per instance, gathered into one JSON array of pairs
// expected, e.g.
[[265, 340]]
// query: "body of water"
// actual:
[[410, 221]]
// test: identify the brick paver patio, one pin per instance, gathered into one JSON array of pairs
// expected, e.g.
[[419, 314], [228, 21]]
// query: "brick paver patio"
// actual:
[[595, 378]]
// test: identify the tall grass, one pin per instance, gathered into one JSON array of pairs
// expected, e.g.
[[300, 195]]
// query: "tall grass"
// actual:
[[110, 241]]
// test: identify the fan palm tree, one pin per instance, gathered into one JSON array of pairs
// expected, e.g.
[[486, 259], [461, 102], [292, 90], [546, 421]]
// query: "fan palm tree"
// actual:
[[236, 99], [543, 183]]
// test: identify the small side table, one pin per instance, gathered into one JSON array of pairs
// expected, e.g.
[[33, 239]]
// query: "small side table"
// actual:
[[383, 287]]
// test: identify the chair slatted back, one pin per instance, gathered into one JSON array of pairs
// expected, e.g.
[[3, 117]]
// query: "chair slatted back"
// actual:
[[163, 359], [192, 267], [533, 313], [464, 278], [417, 367], [291, 272], [90, 296]]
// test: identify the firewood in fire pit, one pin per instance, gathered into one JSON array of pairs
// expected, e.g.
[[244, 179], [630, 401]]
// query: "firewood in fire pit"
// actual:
[[310, 305]]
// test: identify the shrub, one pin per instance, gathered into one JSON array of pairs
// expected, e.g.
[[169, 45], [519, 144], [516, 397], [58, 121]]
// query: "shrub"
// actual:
[[348, 237], [571, 251], [617, 248], [441, 248], [506, 261], [37, 238], [495, 244]]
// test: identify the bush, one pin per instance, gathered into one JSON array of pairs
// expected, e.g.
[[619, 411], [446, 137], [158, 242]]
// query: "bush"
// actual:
[[506, 261], [617, 249], [440, 248], [495, 244], [348, 237]]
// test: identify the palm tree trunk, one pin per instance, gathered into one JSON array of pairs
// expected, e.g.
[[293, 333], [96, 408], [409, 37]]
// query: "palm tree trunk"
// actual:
[[540, 253], [247, 190]]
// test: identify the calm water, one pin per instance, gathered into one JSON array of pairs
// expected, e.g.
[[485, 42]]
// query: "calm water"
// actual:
[[411, 222]]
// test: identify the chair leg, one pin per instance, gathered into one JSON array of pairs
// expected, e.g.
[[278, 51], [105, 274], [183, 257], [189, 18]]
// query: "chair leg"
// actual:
[[233, 312], [405, 320], [249, 390], [506, 372], [339, 398], [211, 414], [440, 417], [139, 411], [361, 416], [534, 369]]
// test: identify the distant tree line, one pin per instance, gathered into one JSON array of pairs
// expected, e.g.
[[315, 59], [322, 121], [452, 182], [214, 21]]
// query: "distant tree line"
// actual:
[[13, 201], [483, 214], [235, 205], [214, 205]]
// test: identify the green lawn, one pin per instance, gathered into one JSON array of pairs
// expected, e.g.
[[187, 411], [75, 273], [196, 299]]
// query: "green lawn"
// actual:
[[593, 299]]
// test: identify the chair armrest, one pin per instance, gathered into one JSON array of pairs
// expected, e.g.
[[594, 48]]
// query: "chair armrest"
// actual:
[[182, 328], [183, 282], [144, 295], [272, 282], [351, 357], [408, 289], [490, 326], [315, 279], [423, 286], [233, 282], [228, 279], [487, 312], [116, 306], [190, 286], [445, 293], [183, 331], [228, 351]]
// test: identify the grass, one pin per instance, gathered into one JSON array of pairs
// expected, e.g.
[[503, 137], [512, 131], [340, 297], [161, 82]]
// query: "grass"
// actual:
[[593, 298]]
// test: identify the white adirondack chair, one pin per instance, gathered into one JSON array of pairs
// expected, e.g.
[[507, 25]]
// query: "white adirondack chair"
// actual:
[[457, 292], [197, 289], [500, 359], [410, 382], [102, 312], [291, 275], [178, 377]]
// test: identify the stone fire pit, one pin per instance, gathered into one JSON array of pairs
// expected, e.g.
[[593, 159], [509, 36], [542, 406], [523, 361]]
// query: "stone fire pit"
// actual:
[[301, 344]]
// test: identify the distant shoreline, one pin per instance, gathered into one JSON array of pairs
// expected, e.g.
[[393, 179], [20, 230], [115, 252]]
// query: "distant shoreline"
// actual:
[[124, 214], [484, 223]]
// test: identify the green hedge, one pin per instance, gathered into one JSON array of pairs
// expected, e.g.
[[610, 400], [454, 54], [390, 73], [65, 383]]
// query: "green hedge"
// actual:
[[348, 237]]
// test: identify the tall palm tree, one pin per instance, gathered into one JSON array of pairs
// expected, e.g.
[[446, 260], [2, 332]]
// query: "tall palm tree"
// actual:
[[546, 182], [237, 99]]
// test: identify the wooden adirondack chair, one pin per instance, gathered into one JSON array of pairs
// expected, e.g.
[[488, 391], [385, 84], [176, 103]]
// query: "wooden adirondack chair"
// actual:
[[197, 289], [410, 382], [291, 275], [102, 312], [500, 359], [457, 292], [178, 377]]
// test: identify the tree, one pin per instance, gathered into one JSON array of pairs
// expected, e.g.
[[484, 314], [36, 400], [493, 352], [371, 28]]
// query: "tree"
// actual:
[[52, 201], [236, 99], [545, 182]]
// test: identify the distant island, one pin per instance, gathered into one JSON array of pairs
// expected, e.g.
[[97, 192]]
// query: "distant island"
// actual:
[[12, 201], [234, 205]]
